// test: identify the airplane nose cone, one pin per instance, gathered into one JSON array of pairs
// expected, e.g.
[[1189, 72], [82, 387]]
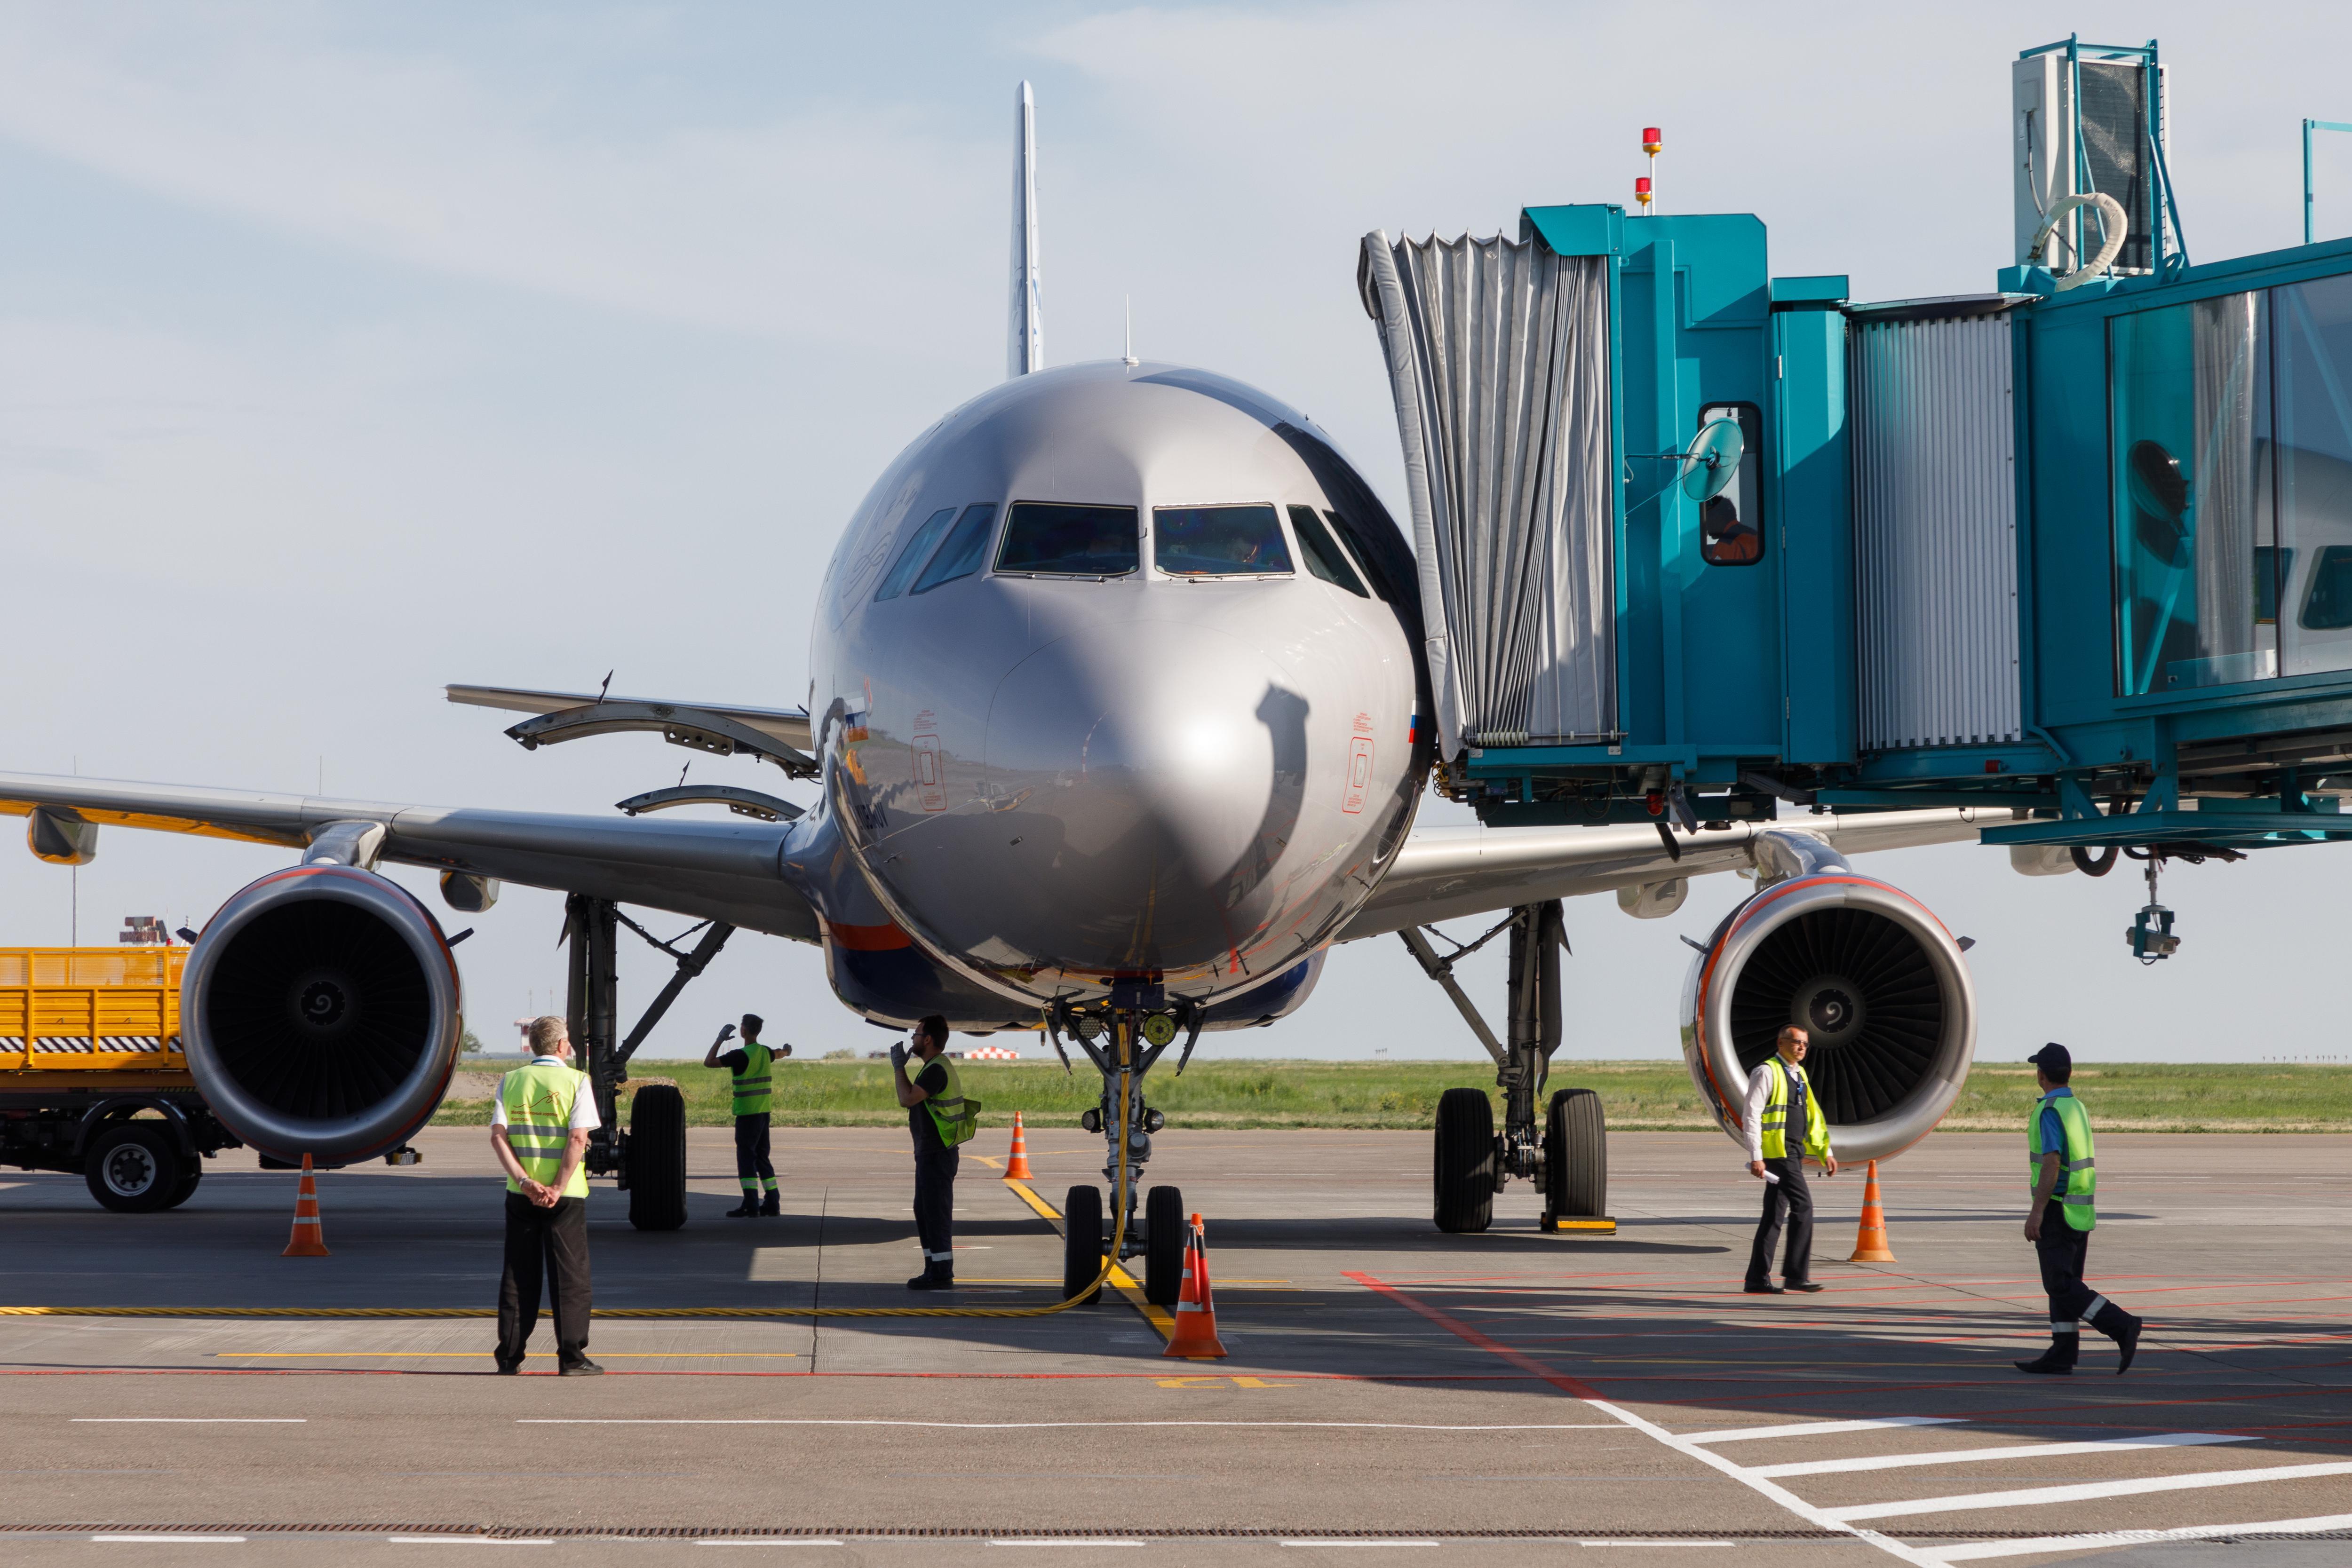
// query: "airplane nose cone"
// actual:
[[1153, 774]]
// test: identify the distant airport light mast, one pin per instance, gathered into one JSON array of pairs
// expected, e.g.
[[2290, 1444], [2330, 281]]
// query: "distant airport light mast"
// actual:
[[1645, 190]]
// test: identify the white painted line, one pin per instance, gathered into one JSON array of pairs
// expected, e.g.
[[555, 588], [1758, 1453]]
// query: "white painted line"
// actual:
[[1363, 1544], [780, 1541], [2019, 1451], [2086, 1490], [1977, 1550], [171, 1540], [190, 1421], [1657, 1544], [1089, 1542], [1031, 1425], [464, 1541], [1819, 1428]]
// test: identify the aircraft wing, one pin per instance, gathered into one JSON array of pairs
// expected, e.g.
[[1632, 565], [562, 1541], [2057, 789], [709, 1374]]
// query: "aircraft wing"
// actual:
[[789, 725], [1449, 872], [718, 870]]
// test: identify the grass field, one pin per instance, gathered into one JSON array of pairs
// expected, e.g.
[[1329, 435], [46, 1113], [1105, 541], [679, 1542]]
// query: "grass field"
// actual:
[[1637, 1095]]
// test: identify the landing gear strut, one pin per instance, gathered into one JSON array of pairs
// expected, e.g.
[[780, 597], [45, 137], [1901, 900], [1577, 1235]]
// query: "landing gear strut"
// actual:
[[1124, 1040], [1568, 1152]]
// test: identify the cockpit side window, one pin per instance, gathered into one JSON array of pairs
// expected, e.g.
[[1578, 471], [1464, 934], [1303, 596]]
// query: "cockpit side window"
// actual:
[[1324, 557], [966, 545], [919, 550], [1218, 542], [1050, 540], [1382, 588]]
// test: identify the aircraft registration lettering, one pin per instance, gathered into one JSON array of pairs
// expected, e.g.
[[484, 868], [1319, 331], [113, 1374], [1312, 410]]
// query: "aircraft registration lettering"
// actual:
[[1360, 775]]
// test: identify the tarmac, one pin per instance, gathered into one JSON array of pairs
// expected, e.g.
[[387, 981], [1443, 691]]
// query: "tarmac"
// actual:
[[1518, 1396]]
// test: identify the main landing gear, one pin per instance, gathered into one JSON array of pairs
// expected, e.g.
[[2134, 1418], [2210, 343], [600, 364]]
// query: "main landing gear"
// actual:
[[1124, 1040], [1569, 1153]]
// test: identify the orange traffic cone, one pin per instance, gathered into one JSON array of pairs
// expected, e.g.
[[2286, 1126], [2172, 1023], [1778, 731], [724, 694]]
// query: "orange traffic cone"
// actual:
[[1195, 1338], [1870, 1245], [1017, 1168], [306, 1241]]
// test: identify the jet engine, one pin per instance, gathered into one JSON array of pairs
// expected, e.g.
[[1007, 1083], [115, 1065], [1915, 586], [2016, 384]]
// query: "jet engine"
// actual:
[[1874, 980], [319, 1013]]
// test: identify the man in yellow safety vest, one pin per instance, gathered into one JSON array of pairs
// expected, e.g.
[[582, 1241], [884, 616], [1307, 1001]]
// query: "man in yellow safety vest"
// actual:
[[1779, 1097], [751, 1070], [540, 1124], [939, 1118], [2065, 1176]]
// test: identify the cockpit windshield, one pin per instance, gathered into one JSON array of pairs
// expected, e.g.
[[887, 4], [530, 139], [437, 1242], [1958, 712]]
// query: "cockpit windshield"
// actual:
[[1055, 540], [1218, 542]]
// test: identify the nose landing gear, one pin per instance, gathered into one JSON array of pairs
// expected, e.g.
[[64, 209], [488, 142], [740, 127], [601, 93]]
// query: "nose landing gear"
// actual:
[[1124, 1041]]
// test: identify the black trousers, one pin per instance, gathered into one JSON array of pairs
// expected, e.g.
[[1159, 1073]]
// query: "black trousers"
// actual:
[[935, 1173], [752, 1160], [2062, 1251], [1791, 1201], [551, 1244]]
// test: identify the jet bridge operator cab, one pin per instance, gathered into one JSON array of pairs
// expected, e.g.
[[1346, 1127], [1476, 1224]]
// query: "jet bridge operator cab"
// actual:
[[1702, 545]]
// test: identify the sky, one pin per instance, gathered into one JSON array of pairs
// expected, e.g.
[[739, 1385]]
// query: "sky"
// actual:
[[349, 350]]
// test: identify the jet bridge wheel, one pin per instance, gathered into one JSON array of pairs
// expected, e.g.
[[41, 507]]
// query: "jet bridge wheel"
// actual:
[[1576, 1155], [1164, 1233], [192, 1171], [1466, 1160], [1082, 1243], [656, 1157]]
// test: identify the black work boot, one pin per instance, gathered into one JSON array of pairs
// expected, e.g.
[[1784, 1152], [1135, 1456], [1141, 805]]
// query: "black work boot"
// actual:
[[2058, 1360], [928, 1281], [773, 1205], [747, 1210], [2123, 1329]]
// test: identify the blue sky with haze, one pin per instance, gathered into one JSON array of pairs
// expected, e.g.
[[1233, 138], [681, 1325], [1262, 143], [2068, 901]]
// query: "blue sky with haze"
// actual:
[[351, 351]]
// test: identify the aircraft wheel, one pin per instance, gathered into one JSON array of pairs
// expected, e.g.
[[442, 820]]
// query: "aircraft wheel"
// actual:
[[192, 1171], [1164, 1233], [131, 1167], [1576, 1155], [1466, 1160], [657, 1158], [1082, 1243]]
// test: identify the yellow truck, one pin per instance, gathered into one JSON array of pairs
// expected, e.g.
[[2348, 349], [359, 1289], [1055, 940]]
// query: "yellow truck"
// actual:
[[92, 1077]]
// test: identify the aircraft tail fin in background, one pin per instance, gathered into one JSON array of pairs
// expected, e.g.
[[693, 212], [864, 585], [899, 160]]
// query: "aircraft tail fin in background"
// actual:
[[1025, 347]]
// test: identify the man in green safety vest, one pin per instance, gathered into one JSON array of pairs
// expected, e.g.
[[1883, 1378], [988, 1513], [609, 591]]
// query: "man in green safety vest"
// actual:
[[1779, 1097], [939, 1118], [751, 1067], [540, 1124], [2066, 1177]]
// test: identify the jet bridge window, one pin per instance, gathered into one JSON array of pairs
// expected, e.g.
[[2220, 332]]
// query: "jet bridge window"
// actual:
[[1731, 525], [1046, 539], [1324, 557], [1218, 542], [919, 550], [966, 547]]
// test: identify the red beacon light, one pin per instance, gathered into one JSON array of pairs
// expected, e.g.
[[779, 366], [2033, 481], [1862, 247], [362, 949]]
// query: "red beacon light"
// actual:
[[1641, 191], [1651, 139]]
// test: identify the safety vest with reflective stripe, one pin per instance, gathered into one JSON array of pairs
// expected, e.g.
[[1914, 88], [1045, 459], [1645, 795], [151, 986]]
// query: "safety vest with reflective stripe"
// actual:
[[956, 1117], [1774, 1122], [2079, 1169], [752, 1083], [539, 1100]]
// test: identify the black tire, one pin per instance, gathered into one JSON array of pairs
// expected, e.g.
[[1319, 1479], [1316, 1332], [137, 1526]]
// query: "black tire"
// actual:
[[131, 1167], [1465, 1161], [1164, 1233], [1082, 1243], [192, 1171], [1576, 1155], [657, 1157]]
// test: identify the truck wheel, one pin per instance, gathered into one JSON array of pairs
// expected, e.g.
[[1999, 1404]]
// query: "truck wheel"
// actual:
[[131, 1167], [1164, 1232], [1576, 1155], [192, 1171], [1466, 1160], [657, 1157], [1082, 1243]]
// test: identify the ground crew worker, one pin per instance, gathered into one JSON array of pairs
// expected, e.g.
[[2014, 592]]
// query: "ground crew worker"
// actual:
[[1779, 1097], [2065, 1179], [939, 1118], [748, 1064], [540, 1124]]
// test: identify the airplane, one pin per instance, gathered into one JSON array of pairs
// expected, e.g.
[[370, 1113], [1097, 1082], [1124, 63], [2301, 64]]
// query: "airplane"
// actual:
[[1114, 721]]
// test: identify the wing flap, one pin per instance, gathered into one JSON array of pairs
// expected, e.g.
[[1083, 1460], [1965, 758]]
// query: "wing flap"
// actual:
[[790, 725]]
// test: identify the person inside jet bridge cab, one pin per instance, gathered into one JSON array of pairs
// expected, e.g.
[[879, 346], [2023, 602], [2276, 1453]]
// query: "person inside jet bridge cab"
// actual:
[[751, 1066]]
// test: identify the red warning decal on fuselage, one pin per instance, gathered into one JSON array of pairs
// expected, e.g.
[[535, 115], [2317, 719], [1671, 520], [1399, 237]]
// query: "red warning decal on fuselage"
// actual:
[[1359, 774], [930, 783]]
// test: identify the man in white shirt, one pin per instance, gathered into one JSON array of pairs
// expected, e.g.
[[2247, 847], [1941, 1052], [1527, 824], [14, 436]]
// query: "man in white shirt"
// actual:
[[1785, 1126], [540, 1124]]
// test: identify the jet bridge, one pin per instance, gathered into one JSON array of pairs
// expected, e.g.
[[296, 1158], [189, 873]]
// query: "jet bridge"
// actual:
[[2080, 545]]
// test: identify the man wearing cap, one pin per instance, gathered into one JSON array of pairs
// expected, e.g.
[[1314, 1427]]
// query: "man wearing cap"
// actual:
[[1779, 1098], [540, 1124], [2065, 1176]]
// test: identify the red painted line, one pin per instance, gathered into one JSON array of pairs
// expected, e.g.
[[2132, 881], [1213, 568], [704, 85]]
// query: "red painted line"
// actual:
[[1527, 1364]]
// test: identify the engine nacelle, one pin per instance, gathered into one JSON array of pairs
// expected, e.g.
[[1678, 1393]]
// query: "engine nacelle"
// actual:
[[321, 1014], [1866, 971]]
